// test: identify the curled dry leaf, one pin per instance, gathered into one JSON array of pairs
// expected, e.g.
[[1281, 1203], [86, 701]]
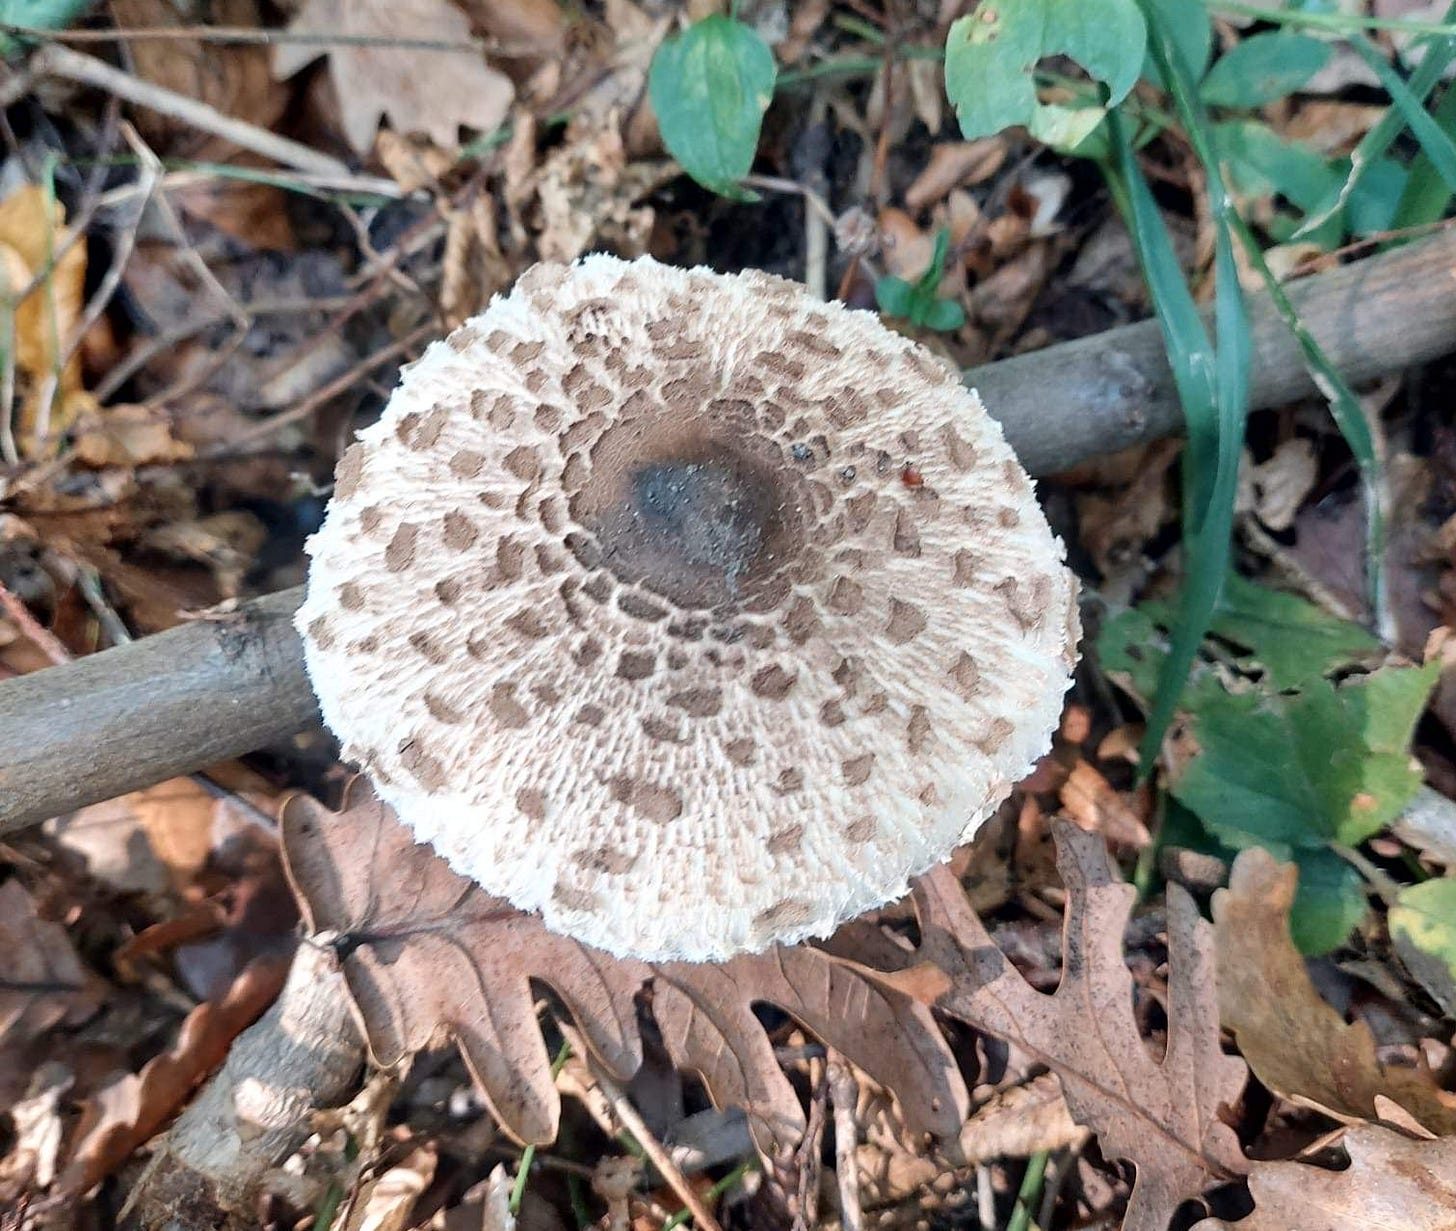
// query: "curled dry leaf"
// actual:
[[33, 237], [133, 1109], [1297, 1044], [433, 92], [1392, 1181], [427, 953], [41, 979], [1164, 1116]]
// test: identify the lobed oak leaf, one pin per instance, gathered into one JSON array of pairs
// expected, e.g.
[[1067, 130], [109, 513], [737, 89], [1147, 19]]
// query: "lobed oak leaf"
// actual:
[[1297, 1044], [1391, 1181], [42, 981], [428, 91], [427, 954], [1163, 1116]]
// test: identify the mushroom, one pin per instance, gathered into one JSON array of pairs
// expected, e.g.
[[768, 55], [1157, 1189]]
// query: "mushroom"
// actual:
[[689, 611]]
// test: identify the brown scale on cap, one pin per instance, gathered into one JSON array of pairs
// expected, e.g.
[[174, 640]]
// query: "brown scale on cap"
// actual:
[[662, 641]]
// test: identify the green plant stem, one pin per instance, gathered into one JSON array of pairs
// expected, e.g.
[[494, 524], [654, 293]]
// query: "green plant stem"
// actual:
[[853, 66], [1346, 410], [1339, 23], [729, 1181], [528, 1155], [1434, 141], [1030, 1191], [1386, 887]]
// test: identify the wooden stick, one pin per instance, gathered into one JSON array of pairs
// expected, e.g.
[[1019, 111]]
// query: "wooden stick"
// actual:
[[217, 688]]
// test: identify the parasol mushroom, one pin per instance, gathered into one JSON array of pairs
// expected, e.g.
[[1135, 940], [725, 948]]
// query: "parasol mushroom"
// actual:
[[691, 612]]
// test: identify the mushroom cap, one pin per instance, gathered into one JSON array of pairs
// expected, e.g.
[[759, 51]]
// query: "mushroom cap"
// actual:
[[687, 610]]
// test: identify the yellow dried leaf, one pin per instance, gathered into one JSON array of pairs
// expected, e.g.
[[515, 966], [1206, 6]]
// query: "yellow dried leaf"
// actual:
[[32, 231]]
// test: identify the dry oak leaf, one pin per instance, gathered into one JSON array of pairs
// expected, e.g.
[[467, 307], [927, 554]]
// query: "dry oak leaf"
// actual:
[[428, 91], [1391, 1184], [1297, 1044], [1162, 1116], [427, 954], [41, 979], [131, 1111]]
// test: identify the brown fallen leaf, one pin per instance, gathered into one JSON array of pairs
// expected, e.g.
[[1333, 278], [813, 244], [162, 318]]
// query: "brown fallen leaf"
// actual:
[[433, 92], [1095, 805], [427, 953], [32, 233], [954, 164], [42, 982], [1391, 1182], [1164, 1116], [129, 1112], [1296, 1043]]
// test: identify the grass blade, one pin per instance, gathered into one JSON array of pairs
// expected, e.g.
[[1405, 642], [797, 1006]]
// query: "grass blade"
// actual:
[[1436, 145], [1349, 418], [1374, 144], [1426, 196], [1212, 380]]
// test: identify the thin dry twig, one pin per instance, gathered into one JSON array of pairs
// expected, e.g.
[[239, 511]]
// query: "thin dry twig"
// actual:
[[42, 638], [844, 1095], [53, 60], [656, 1153], [340, 384]]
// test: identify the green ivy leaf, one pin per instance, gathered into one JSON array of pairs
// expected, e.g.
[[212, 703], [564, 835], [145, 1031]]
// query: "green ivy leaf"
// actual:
[[991, 55], [1423, 927], [709, 87], [1262, 68]]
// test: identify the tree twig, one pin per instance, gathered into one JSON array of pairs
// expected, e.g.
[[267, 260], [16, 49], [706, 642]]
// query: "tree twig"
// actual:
[[173, 703], [53, 60]]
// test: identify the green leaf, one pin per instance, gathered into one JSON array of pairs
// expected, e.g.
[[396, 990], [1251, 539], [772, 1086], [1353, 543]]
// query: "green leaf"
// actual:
[[1435, 144], [990, 56], [1190, 31], [894, 295], [1326, 765], [1261, 164], [945, 315], [38, 15], [1426, 196], [1262, 68], [1291, 639], [709, 87], [1436, 55], [1374, 201], [1423, 927], [1329, 903]]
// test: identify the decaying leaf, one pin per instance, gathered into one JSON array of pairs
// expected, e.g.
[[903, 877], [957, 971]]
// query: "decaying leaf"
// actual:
[[131, 1110], [1391, 1182], [41, 979], [1295, 1042], [433, 92], [427, 954], [1164, 1116], [33, 239]]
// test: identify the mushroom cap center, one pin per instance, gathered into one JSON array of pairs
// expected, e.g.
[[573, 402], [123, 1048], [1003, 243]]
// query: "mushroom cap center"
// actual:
[[704, 519]]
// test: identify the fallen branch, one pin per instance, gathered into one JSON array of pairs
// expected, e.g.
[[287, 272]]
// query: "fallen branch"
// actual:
[[216, 688], [303, 1054]]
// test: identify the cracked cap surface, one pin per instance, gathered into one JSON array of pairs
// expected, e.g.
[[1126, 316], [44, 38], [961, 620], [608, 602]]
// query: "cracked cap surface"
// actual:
[[691, 612]]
